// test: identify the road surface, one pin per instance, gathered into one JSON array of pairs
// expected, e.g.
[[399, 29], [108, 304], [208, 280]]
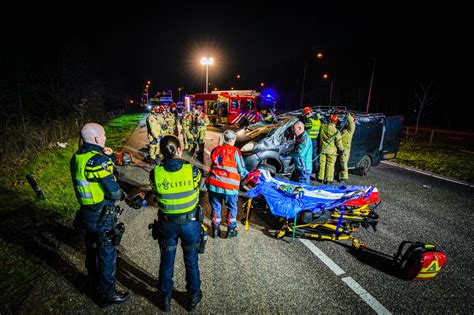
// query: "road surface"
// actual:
[[260, 274]]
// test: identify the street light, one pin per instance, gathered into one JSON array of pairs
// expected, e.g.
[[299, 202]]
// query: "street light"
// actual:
[[206, 61], [179, 93], [262, 84]]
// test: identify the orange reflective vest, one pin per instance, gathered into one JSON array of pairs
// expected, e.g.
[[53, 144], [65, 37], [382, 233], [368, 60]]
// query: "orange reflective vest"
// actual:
[[224, 172]]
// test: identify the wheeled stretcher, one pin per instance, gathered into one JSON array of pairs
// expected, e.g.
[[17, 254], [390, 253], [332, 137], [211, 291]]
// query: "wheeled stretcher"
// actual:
[[319, 212]]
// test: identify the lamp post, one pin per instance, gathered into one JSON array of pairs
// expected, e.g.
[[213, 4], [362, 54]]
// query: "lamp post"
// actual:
[[370, 88], [206, 61], [179, 93]]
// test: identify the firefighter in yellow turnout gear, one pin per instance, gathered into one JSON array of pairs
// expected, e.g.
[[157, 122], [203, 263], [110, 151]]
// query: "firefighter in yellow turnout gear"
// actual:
[[202, 121], [331, 143], [188, 137], [154, 128], [346, 135]]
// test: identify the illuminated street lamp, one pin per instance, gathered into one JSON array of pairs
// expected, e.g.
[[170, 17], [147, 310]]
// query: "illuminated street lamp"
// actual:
[[148, 82], [179, 93], [262, 84], [206, 61], [238, 76]]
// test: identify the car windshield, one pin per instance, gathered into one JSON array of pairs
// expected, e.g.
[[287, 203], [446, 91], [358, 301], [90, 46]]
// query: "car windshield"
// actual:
[[261, 129]]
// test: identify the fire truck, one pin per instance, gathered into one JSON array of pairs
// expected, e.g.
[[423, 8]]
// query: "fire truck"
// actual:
[[229, 107]]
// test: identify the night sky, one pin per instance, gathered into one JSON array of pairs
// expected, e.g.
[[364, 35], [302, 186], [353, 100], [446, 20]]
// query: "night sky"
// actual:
[[129, 44]]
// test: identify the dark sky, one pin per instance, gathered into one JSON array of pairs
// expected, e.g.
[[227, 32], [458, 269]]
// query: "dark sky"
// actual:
[[135, 42]]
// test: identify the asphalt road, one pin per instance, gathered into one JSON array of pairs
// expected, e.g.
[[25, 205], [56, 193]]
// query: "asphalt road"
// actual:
[[258, 273]]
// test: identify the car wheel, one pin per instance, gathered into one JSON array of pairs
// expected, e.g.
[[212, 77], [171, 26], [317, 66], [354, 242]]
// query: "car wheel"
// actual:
[[364, 163], [270, 168]]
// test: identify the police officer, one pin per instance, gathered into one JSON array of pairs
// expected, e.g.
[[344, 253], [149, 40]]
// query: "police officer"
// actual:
[[302, 154], [331, 143], [343, 157], [312, 124], [223, 182], [98, 192], [176, 184]]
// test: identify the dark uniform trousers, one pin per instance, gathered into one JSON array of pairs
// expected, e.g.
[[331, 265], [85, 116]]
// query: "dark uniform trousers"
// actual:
[[169, 233], [101, 254]]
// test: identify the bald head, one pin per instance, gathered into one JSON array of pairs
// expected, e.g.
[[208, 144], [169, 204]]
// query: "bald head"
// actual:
[[298, 128], [93, 133]]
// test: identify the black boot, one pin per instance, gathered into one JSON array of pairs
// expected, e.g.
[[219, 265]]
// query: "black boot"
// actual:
[[117, 298], [216, 232], [194, 301], [231, 232]]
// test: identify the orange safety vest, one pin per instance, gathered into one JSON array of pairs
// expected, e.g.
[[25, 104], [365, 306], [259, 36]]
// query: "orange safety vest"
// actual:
[[223, 172]]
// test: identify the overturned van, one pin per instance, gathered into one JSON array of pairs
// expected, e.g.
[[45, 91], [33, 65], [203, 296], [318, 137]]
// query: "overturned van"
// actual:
[[376, 138]]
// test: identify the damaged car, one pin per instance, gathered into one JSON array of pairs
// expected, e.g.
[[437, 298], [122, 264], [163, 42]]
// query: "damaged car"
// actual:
[[376, 138]]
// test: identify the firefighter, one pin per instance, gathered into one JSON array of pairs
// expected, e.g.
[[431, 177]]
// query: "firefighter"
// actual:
[[164, 125], [312, 124], [302, 154], [98, 194], [346, 135], [176, 184], [265, 116], [170, 121], [202, 121], [188, 138], [331, 143], [223, 182], [154, 128]]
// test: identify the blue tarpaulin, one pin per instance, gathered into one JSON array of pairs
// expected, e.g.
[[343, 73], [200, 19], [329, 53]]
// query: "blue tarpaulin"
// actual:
[[313, 198]]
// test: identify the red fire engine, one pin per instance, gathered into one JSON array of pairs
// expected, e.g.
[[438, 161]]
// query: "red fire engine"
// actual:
[[229, 107]]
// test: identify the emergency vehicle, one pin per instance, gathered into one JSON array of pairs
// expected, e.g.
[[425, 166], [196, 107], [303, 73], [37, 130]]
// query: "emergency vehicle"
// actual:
[[229, 107]]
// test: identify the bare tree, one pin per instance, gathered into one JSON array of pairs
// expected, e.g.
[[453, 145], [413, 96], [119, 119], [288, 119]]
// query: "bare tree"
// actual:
[[424, 97]]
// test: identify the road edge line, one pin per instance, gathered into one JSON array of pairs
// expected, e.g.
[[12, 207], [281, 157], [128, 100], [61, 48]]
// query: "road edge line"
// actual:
[[457, 181], [368, 298], [323, 257]]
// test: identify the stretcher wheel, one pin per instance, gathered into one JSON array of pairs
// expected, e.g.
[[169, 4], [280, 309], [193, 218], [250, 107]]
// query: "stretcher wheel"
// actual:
[[280, 233]]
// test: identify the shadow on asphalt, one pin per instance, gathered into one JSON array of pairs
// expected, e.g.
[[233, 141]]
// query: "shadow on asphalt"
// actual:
[[375, 259]]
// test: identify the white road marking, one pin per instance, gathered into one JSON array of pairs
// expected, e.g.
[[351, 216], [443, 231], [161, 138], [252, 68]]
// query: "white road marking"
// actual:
[[356, 287], [325, 259], [429, 174], [365, 296]]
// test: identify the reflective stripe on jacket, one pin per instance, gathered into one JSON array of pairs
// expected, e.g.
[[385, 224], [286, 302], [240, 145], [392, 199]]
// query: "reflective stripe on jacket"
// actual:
[[176, 192], [88, 190], [224, 173]]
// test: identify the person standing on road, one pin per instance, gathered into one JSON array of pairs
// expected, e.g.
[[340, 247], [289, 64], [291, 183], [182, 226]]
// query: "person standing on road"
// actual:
[[302, 154], [343, 157], [202, 121], [312, 124], [153, 125], [188, 137], [98, 193], [176, 184], [331, 143], [223, 182]]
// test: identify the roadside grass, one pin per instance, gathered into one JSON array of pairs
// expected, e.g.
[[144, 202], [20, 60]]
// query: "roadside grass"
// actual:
[[448, 159], [23, 215]]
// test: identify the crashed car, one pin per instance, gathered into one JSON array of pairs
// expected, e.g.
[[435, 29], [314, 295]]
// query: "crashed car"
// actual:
[[376, 138]]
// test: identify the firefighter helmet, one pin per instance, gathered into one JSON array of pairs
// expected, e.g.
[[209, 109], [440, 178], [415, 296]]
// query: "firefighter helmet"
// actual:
[[334, 118], [307, 110]]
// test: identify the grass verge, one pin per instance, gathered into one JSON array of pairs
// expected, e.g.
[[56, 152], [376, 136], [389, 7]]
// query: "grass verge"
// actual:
[[22, 215], [450, 160]]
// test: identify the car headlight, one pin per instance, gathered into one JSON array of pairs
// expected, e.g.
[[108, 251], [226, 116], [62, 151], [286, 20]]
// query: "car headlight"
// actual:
[[248, 147]]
